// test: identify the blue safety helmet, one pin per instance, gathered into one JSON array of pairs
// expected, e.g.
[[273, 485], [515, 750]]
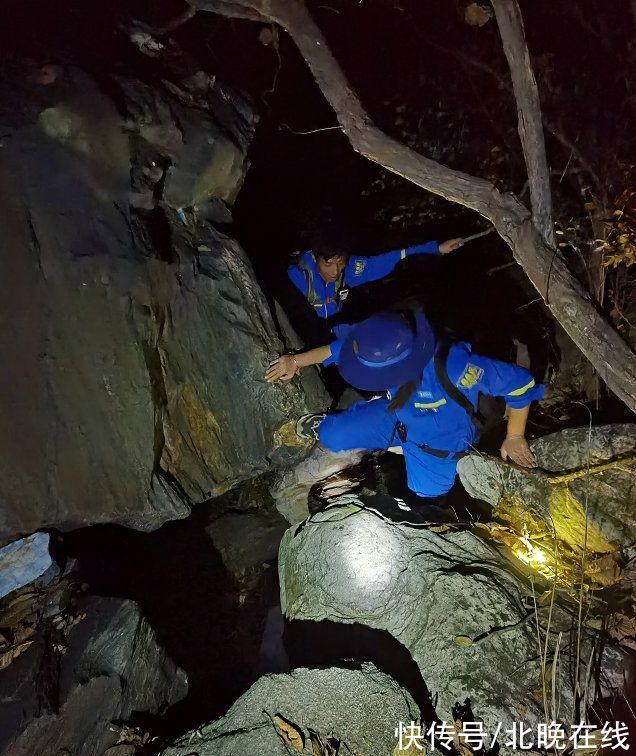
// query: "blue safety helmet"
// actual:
[[386, 350]]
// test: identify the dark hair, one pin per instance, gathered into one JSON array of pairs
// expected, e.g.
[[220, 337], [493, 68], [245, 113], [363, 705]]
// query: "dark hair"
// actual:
[[329, 243], [328, 254]]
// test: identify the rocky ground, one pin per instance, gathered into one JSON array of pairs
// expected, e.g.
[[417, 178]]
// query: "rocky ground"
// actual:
[[179, 573]]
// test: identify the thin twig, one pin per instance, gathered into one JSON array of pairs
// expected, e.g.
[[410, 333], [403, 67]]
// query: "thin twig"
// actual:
[[312, 131], [577, 692]]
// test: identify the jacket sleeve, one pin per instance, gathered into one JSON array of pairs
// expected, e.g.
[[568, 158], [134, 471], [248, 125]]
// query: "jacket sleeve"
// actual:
[[366, 269], [298, 278], [335, 353], [428, 248], [515, 384]]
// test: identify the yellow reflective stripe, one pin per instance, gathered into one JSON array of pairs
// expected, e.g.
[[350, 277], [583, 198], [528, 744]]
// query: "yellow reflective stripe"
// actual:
[[430, 405], [403, 254], [522, 390]]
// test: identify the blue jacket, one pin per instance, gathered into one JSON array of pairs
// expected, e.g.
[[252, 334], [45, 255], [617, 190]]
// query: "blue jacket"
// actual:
[[431, 417], [327, 298]]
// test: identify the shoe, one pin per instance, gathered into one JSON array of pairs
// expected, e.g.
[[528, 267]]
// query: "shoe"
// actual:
[[307, 426]]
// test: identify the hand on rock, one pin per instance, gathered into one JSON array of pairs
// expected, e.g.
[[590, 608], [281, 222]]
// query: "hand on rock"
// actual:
[[282, 369], [517, 450], [450, 245]]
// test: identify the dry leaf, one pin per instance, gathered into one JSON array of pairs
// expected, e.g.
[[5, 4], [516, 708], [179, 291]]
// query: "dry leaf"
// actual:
[[463, 640], [439, 528], [8, 656], [291, 733], [317, 747], [477, 15], [604, 570], [462, 747], [623, 629]]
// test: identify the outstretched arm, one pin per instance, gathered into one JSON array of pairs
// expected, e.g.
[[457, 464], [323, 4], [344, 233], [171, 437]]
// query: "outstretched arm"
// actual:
[[378, 266], [285, 368]]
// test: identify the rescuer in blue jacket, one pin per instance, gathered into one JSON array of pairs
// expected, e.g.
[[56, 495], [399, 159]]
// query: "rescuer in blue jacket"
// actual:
[[325, 275], [432, 390]]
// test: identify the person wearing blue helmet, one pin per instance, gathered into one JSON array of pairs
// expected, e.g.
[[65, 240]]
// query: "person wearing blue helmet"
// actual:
[[325, 274], [432, 390]]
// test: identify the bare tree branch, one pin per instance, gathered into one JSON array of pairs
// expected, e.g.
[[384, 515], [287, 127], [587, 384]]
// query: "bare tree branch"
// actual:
[[547, 124], [526, 92], [563, 293]]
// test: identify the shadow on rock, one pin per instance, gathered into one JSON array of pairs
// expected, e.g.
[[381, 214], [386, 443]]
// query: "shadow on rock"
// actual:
[[209, 624], [331, 644]]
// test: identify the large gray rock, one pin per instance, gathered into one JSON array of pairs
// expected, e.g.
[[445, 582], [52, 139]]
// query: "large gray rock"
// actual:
[[291, 490], [543, 501], [112, 666], [23, 561], [358, 708], [246, 540], [450, 599], [134, 342]]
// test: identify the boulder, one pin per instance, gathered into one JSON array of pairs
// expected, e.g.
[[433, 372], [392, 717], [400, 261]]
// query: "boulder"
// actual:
[[307, 711], [291, 490], [464, 613], [112, 665], [134, 340], [247, 540], [578, 469], [23, 561]]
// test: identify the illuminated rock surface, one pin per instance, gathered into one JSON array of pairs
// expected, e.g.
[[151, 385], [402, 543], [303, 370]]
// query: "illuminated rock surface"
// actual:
[[23, 561], [291, 491], [283, 714], [554, 497], [450, 598]]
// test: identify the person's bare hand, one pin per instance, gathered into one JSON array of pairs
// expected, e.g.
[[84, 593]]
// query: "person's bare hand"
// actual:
[[282, 369], [517, 450], [450, 245]]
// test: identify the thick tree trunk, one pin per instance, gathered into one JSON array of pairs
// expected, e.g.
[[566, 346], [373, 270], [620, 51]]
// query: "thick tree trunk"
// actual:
[[529, 111], [562, 292]]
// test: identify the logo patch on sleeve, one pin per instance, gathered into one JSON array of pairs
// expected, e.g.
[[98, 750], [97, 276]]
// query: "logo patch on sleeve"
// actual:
[[470, 376], [359, 267]]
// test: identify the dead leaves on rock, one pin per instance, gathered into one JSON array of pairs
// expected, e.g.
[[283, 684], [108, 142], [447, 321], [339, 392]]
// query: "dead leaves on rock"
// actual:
[[560, 565], [290, 733], [476, 14], [19, 616], [623, 629], [294, 737], [323, 747]]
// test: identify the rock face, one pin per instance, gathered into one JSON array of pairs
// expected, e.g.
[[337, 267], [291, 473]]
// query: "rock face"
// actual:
[[353, 710], [23, 561], [543, 501], [112, 666], [134, 334], [450, 599], [291, 490], [246, 540]]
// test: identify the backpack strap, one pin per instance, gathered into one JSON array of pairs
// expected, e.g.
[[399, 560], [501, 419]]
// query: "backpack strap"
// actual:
[[312, 295], [441, 358]]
